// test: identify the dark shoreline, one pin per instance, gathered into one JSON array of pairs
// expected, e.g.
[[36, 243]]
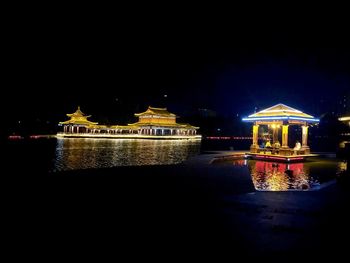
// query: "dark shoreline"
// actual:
[[173, 208]]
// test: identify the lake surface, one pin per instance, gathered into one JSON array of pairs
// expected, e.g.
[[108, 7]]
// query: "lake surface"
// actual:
[[78, 153], [62, 154]]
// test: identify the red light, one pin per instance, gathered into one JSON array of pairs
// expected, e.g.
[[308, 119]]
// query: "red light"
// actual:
[[15, 137]]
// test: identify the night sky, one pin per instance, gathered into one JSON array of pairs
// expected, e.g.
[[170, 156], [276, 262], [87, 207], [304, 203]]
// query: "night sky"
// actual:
[[113, 71]]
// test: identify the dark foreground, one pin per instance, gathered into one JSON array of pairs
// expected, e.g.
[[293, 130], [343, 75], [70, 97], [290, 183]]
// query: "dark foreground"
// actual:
[[195, 208]]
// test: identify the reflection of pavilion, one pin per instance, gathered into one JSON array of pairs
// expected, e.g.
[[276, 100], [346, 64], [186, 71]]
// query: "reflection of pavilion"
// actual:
[[281, 117], [272, 177]]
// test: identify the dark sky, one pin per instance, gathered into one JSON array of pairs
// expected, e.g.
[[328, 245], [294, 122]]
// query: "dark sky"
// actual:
[[103, 67]]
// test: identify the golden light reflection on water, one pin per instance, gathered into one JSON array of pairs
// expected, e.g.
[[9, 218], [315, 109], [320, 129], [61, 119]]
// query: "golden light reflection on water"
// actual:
[[79, 153], [271, 176], [342, 167]]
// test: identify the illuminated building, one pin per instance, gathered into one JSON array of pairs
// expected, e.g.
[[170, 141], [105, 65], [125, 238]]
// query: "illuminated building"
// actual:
[[344, 136], [280, 117], [345, 119], [153, 123]]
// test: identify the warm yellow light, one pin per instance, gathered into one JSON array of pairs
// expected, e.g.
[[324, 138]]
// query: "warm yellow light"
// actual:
[[345, 119]]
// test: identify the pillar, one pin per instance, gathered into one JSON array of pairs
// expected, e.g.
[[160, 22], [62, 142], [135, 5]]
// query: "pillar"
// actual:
[[78, 129], [304, 135], [285, 136], [255, 134], [304, 146], [254, 147], [274, 135]]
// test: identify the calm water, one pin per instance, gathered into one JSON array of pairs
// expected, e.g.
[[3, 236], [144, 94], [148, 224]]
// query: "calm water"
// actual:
[[270, 176], [79, 153]]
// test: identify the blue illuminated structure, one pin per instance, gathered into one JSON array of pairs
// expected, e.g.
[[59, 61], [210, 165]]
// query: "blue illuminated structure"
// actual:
[[281, 116], [277, 118]]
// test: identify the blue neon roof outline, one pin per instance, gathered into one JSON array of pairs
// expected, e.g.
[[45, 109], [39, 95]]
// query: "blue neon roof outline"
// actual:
[[280, 118]]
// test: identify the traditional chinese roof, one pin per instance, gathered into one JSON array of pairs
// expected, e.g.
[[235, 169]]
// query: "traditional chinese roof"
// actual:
[[78, 113], [156, 111], [280, 112], [78, 118]]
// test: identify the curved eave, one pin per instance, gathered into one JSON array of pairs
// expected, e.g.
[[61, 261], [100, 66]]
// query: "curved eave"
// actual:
[[155, 114], [78, 115], [174, 125], [281, 118], [280, 114], [78, 123], [188, 126]]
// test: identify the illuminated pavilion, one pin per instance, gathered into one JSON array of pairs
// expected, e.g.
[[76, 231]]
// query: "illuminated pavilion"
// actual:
[[158, 121], [281, 117], [153, 123], [345, 135], [78, 122]]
